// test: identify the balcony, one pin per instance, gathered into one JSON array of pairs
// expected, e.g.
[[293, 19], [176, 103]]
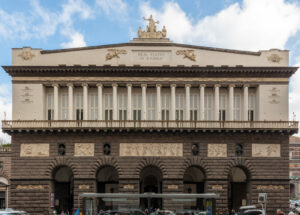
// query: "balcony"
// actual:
[[289, 127]]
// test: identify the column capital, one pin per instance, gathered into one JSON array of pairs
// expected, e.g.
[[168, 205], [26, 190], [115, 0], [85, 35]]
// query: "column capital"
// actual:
[[231, 85], [55, 85], [217, 85], [173, 85], [114, 85], [188, 85], [202, 85], [158, 85], [246, 85], [99, 85], [84, 84], [143, 85], [128, 85], [70, 85]]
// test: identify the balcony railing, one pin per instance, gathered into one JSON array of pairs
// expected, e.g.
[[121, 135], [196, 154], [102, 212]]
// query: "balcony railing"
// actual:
[[35, 125]]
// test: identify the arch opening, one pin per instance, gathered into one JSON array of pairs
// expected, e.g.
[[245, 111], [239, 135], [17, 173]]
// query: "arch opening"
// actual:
[[239, 188], [3, 192], [107, 178], [63, 184], [151, 182], [194, 182]]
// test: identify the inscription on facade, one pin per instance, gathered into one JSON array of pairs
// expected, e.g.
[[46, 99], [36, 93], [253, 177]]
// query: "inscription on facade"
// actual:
[[151, 149], [34, 150], [173, 187], [84, 187], [217, 187], [30, 187], [217, 150], [150, 56], [84, 150], [270, 187], [265, 150], [128, 187]]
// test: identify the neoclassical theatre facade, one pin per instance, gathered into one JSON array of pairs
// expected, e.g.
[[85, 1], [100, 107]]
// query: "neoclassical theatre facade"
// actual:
[[149, 116]]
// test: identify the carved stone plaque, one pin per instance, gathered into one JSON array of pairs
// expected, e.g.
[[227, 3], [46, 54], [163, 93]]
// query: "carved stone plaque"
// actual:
[[30, 187], [128, 186], [265, 150], [151, 56], [34, 150], [84, 150], [84, 187], [172, 187], [151, 149], [217, 150], [270, 187], [217, 187]]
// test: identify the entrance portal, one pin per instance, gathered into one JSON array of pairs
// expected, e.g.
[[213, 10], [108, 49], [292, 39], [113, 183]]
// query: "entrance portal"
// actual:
[[63, 189], [107, 182], [151, 182], [238, 188], [194, 180]]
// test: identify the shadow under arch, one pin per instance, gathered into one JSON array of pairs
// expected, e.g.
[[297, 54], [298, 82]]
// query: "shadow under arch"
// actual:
[[239, 187], [151, 182], [63, 189]]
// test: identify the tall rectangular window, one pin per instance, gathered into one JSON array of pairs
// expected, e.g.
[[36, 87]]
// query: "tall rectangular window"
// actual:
[[122, 104], [79, 106], [251, 107], [208, 109], [223, 105], [237, 107], [108, 106], [93, 106], [50, 106], [165, 106], [194, 107], [151, 106], [179, 106], [137, 106], [64, 106]]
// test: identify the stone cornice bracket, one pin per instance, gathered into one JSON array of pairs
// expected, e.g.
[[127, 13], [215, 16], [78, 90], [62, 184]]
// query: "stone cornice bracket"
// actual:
[[26, 55], [189, 54], [114, 53]]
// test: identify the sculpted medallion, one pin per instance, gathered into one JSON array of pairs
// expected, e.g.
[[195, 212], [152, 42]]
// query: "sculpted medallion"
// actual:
[[274, 58], [84, 150], [34, 150], [217, 150], [265, 150], [26, 55]]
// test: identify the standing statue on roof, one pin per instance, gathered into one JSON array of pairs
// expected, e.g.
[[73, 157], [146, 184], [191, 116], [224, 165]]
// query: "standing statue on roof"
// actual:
[[152, 26]]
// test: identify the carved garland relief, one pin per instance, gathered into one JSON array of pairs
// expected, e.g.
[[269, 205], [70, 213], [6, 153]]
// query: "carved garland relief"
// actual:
[[84, 150], [151, 149], [114, 53], [34, 150], [265, 150], [189, 54], [217, 150]]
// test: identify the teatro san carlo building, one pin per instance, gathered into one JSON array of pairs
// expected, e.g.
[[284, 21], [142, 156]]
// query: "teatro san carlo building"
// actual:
[[149, 115]]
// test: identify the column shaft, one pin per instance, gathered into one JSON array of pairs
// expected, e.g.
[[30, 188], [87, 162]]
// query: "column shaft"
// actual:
[[173, 101], [85, 101], [129, 100], [144, 100], [217, 108], [115, 101], [70, 102], [55, 88], [187, 101], [245, 106], [202, 92], [158, 102], [230, 106], [100, 105]]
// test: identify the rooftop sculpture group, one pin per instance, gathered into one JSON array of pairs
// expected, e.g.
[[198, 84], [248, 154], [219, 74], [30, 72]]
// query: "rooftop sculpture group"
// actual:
[[151, 30]]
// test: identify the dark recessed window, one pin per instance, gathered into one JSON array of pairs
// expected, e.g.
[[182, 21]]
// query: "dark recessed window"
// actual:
[[1, 165], [195, 149], [106, 149], [239, 149], [61, 149]]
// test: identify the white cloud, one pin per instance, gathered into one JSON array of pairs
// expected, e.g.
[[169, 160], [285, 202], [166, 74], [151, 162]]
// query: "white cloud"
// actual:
[[113, 7], [252, 25], [77, 40]]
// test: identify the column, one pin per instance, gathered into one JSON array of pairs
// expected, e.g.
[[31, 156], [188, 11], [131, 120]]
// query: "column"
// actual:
[[202, 91], [100, 105], [115, 101], [85, 101], [230, 105], [187, 101], [70, 101], [55, 89], [245, 112], [217, 89], [129, 100], [144, 107], [173, 102], [158, 101]]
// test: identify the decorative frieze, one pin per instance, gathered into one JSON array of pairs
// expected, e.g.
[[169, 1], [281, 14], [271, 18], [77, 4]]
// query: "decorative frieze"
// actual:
[[265, 150], [217, 150], [84, 150], [151, 149], [34, 150]]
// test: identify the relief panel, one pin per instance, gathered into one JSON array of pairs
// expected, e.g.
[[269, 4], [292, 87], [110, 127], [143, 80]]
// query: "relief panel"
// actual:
[[34, 150], [265, 150], [217, 150], [84, 150], [151, 149]]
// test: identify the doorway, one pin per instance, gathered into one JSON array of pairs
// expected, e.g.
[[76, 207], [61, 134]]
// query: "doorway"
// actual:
[[151, 182], [63, 189]]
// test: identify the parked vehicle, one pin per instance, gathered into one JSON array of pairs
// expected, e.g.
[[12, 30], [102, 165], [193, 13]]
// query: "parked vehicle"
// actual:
[[249, 210], [10, 211]]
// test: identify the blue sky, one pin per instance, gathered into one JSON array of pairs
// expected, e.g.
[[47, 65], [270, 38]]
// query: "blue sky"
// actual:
[[235, 24]]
